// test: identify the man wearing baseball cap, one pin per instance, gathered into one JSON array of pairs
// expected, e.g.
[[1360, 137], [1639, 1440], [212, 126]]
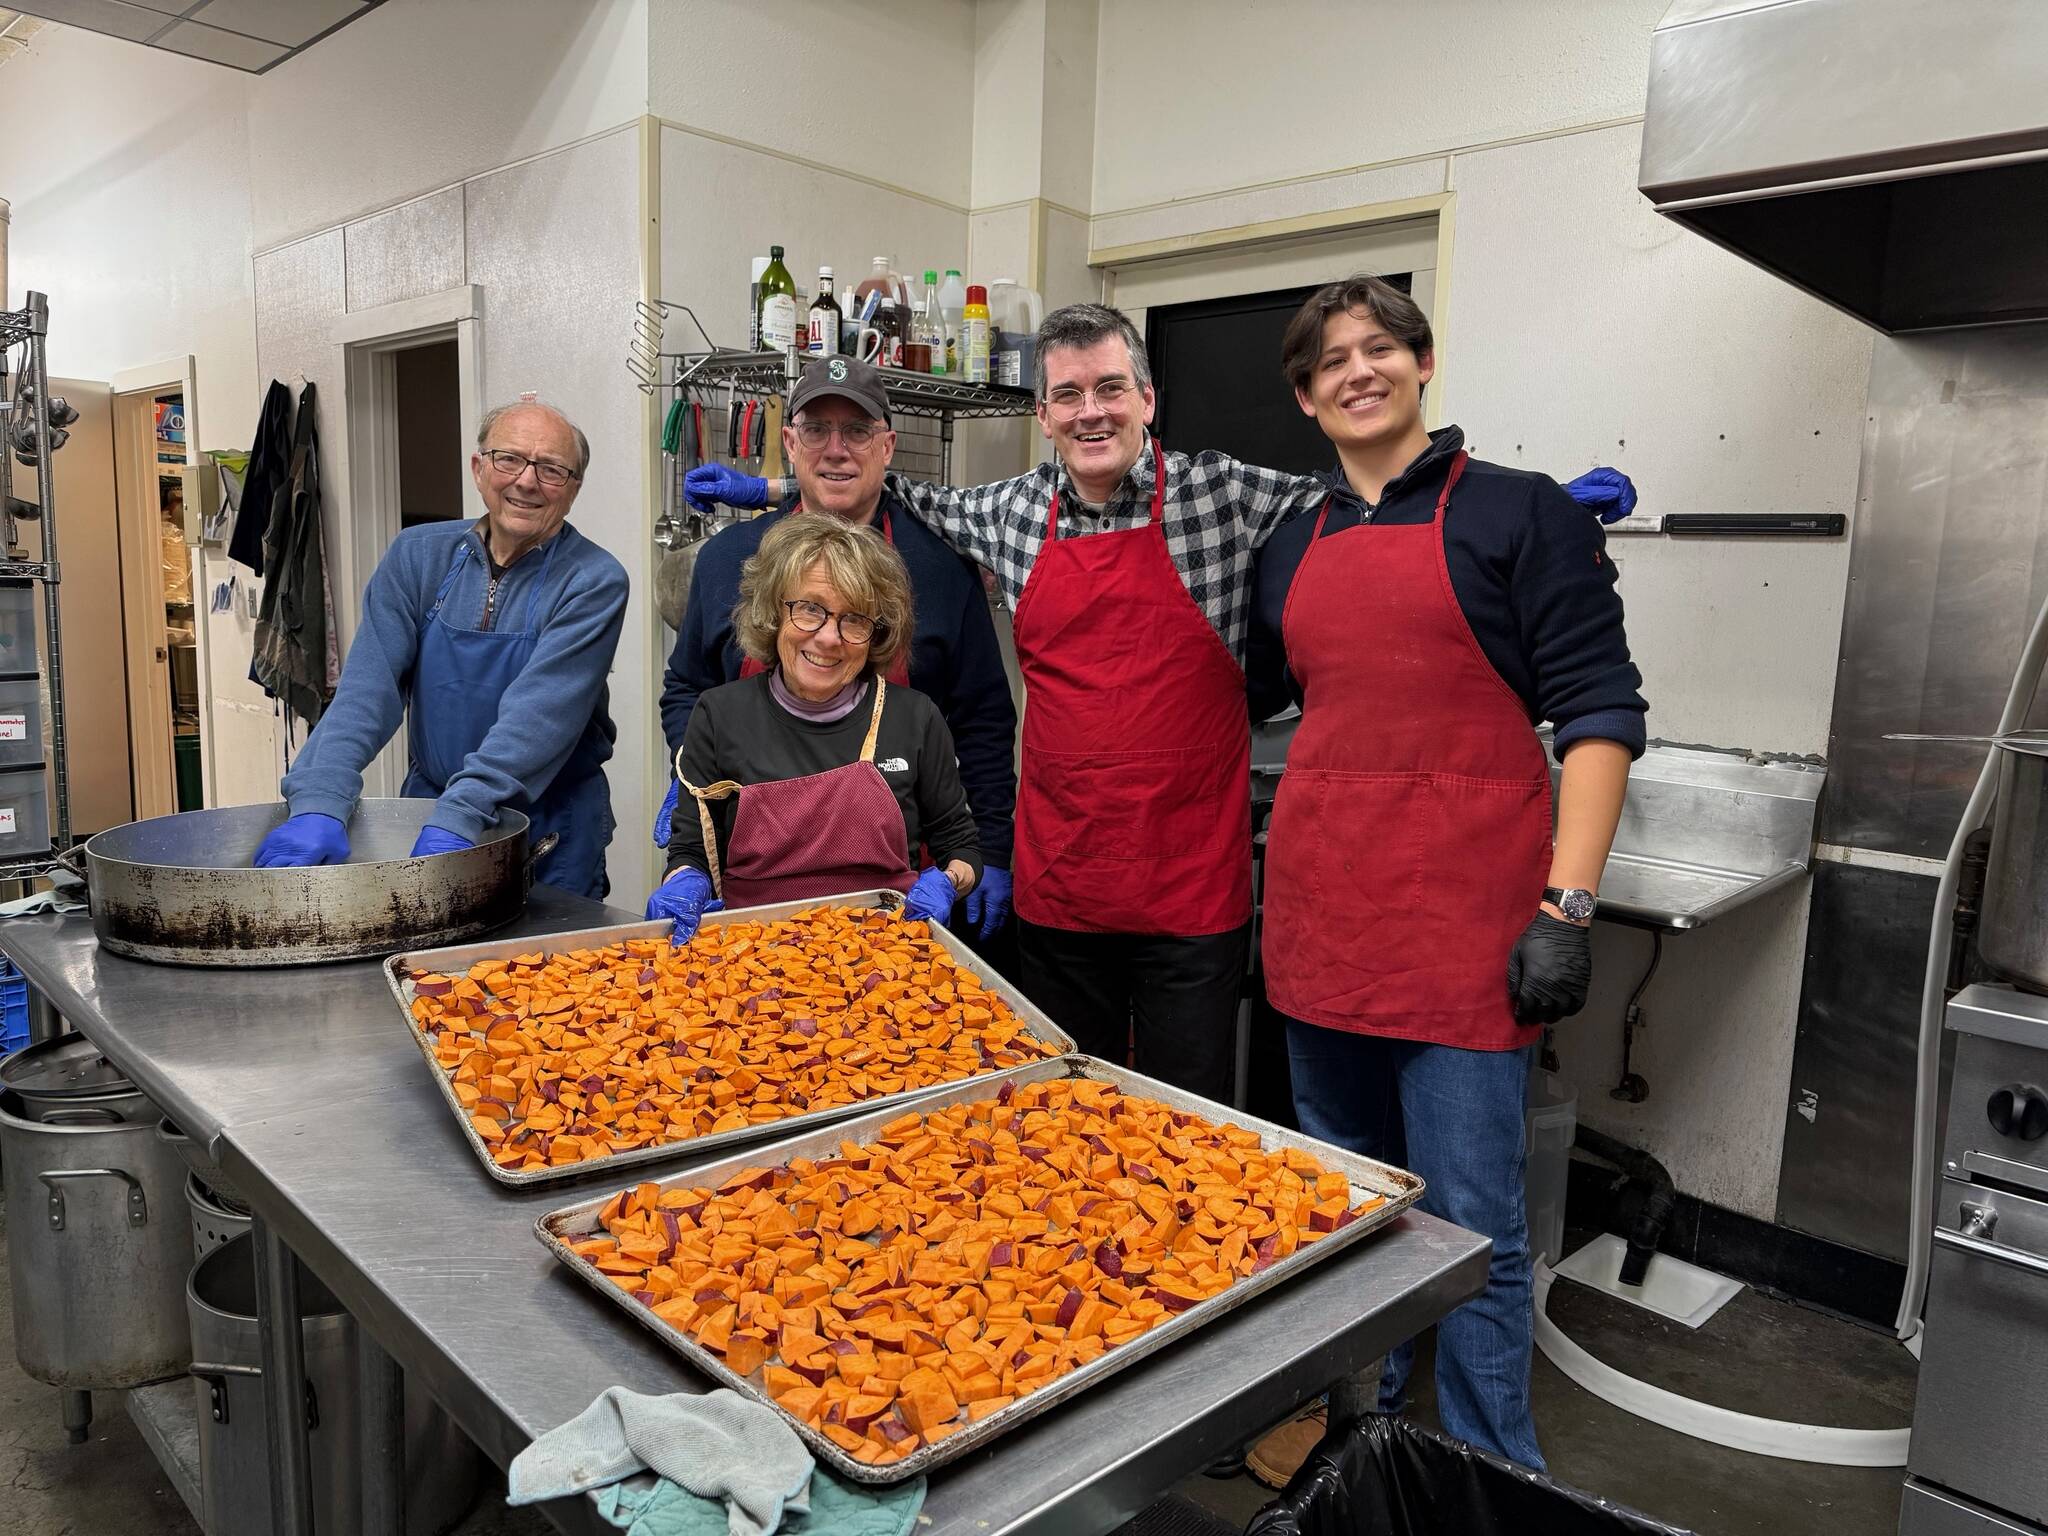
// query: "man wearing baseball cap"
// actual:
[[838, 439]]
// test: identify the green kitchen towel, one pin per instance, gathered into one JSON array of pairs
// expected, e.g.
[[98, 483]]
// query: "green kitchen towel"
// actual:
[[645, 1506]]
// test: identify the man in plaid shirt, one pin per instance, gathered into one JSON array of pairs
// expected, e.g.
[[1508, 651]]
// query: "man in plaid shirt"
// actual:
[[1133, 835]]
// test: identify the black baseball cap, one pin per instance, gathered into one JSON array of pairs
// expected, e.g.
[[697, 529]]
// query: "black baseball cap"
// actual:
[[847, 377]]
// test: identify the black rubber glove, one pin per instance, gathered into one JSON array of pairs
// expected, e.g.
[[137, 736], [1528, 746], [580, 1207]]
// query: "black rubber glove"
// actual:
[[1549, 970]]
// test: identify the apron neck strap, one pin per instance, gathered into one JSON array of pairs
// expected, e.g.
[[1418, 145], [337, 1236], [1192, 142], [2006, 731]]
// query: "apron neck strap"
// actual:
[[867, 747], [1052, 516], [1443, 499]]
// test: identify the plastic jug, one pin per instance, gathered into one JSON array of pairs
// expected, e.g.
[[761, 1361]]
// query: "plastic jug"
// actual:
[[1014, 313]]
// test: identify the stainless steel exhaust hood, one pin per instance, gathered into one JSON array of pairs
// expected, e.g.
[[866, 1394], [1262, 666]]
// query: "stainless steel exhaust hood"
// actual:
[[1887, 156]]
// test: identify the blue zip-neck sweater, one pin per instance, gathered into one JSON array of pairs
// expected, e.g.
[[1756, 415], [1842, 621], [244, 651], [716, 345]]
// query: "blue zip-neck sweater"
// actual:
[[558, 701]]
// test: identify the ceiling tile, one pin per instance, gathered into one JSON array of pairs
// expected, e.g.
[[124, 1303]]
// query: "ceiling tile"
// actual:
[[291, 22], [137, 23], [229, 48]]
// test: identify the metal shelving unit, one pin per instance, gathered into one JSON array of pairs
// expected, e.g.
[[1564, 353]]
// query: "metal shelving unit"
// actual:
[[23, 362], [723, 381]]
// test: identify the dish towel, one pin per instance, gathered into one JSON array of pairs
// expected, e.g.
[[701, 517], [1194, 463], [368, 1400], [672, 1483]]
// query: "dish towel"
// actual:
[[719, 1445], [643, 1506]]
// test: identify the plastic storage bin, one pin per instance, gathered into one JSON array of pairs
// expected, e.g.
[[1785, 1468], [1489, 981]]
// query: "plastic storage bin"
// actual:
[[1387, 1477], [24, 812], [1551, 1125], [18, 627], [13, 1008], [21, 722]]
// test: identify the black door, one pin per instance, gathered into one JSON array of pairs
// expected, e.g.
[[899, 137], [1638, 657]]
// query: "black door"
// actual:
[[1216, 365]]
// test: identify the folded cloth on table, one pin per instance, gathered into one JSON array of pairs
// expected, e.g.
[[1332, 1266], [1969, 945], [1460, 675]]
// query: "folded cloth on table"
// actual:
[[644, 1506], [718, 1445]]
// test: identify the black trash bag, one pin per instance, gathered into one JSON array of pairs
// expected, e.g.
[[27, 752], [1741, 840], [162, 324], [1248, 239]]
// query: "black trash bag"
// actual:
[[1387, 1477]]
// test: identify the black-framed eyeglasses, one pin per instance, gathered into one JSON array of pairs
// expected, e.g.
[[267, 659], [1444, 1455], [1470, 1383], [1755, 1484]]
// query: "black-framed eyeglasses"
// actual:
[[1066, 401], [854, 628], [857, 435], [512, 465]]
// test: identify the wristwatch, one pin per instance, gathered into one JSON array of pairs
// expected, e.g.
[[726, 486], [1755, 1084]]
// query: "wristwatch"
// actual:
[[1575, 904]]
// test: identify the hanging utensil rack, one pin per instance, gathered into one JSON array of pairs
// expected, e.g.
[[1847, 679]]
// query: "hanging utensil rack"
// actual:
[[719, 384]]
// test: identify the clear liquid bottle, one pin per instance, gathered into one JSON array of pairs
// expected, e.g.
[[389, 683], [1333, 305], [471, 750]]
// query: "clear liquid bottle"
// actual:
[[932, 323], [952, 301], [778, 305]]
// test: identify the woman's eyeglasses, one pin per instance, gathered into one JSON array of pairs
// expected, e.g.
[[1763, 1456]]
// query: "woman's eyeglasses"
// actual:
[[810, 617]]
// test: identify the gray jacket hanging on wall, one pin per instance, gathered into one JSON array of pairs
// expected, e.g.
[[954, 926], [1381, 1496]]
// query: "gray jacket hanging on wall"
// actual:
[[291, 622]]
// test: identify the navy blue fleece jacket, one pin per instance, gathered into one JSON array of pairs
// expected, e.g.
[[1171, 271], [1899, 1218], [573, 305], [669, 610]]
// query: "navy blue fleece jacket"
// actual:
[[954, 658], [558, 699], [1529, 568]]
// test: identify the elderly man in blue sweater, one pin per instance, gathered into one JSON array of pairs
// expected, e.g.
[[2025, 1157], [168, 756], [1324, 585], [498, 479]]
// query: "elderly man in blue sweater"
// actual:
[[492, 639]]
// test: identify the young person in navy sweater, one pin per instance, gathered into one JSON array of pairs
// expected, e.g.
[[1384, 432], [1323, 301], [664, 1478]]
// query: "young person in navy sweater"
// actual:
[[1423, 923]]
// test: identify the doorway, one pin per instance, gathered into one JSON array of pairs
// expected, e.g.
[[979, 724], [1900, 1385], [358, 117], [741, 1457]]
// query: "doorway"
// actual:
[[153, 431], [411, 389]]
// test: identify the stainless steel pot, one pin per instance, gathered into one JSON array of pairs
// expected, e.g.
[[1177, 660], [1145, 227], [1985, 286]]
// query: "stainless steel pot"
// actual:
[[65, 1072], [2012, 935], [441, 1465], [179, 890], [97, 1245]]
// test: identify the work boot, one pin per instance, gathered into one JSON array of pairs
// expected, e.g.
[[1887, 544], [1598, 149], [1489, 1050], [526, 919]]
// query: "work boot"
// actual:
[[1280, 1452]]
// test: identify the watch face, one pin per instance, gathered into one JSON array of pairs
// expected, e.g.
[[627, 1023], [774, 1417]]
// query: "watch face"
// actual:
[[1577, 905]]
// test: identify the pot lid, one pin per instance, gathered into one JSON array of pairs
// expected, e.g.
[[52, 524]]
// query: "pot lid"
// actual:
[[68, 1067]]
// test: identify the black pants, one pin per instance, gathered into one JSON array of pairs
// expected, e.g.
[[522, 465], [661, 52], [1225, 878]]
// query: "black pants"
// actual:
[[1180, 993]]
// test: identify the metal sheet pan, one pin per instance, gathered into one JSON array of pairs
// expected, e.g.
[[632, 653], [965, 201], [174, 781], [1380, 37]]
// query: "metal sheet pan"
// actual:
[[458, 959], [559, 1228]]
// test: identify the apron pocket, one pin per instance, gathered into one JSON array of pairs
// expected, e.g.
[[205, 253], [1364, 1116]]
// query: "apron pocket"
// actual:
[[1136, 805]]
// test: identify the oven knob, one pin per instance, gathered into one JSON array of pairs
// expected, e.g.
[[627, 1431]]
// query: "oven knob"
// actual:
[[2020, 1111]]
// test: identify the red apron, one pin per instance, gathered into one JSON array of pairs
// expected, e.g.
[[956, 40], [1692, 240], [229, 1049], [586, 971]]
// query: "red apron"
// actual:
[[899, 669], [1410, 839], [819, 835], [1134, 803]]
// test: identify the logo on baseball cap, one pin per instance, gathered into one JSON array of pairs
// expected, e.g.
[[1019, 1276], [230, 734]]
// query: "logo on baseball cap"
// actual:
[[847, 377]]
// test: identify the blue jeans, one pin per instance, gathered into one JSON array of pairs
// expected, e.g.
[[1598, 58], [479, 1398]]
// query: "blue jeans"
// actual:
[[1455, 1117]]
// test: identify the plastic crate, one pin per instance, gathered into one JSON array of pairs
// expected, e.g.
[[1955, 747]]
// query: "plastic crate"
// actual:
[[13, 1008]]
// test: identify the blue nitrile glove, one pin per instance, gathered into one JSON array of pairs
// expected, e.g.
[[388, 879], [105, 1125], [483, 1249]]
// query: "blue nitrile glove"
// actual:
[[301, 840], [988, 904], [433, 840], [931, 898], [1606, 493], [684, 896], [709, 485], [668, 809]]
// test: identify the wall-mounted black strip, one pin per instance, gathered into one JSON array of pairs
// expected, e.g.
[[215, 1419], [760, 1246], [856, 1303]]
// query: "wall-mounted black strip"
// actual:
[[1818, 525]]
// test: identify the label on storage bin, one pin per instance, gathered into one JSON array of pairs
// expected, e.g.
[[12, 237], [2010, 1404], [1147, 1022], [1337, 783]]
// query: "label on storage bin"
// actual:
[[13, 727], [6, 820]]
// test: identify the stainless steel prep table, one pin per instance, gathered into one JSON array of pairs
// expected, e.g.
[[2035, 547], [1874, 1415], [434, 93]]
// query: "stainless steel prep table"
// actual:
[[384, 1202]]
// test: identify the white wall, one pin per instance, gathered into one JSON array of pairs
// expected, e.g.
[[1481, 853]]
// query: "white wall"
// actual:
[[422, 93], [128, 170], [878, 88], [1198, 96]]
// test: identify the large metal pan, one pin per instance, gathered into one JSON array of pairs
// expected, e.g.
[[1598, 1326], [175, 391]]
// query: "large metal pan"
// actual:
[[179, 890]]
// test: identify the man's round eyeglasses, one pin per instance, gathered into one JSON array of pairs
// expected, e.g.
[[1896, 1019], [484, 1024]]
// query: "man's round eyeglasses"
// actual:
[[854, 628], [1065, 402], [513, 465], [855, 434]]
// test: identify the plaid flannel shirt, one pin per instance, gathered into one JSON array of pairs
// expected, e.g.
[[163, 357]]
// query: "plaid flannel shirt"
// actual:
[[1216, 513]]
